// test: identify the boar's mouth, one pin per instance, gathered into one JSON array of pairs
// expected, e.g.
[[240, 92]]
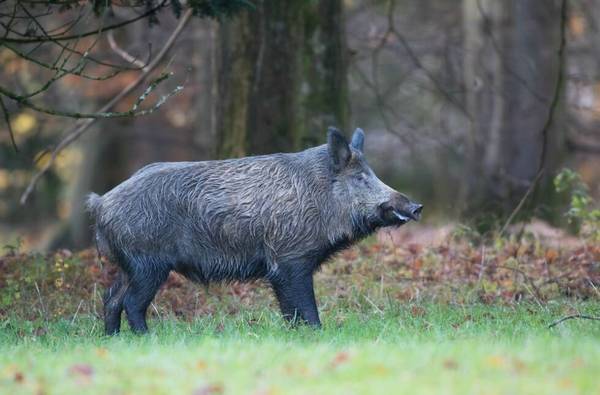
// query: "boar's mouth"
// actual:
[[399, 216], [405, 217]]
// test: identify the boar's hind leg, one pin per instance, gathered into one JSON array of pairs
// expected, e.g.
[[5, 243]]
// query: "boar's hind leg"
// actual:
[[113, 304], [143, 286], [296, 297]]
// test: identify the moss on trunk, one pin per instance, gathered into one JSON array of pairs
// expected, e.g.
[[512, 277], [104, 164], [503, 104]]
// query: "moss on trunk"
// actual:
[[282, 77]]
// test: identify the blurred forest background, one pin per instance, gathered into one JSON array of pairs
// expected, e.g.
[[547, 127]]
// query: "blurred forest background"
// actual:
[[470, 106]]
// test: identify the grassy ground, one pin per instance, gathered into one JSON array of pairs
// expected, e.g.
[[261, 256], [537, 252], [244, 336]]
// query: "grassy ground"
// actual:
[[399, 317], [418, 348]]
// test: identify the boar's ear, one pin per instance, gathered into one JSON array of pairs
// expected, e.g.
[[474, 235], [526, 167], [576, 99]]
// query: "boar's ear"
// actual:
[[339, 151], [358, 139]]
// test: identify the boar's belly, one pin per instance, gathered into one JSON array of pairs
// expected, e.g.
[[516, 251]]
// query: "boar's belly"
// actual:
[[206, 269]]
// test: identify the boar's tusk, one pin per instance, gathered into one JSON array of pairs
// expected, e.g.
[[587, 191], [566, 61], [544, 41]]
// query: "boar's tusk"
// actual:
[[401, 217]]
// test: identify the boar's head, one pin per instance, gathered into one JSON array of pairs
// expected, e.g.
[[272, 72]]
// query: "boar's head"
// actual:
[[372, 203]]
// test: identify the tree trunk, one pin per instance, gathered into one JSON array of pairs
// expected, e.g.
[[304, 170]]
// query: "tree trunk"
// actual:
[[282, 77], [325, 97], [483, 75], [511, 71]]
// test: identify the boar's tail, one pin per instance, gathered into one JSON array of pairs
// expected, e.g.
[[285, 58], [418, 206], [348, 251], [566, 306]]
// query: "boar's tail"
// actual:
[[93, 203]]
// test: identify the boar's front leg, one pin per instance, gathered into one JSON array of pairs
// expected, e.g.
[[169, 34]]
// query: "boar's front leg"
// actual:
[[296, 296]]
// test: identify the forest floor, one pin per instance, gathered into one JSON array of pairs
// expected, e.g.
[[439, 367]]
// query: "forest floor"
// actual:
[[413, 311]]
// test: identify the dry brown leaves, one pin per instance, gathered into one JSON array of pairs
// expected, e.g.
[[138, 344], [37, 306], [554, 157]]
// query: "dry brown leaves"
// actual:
[[63, 284]]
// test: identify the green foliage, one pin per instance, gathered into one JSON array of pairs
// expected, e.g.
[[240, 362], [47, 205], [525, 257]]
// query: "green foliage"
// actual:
[[582, 214]]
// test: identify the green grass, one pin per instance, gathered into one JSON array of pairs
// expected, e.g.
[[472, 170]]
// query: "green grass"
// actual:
[[410, 349]]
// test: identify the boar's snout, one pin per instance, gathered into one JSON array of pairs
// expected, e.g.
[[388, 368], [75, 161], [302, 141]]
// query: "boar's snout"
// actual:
[[399, 210], [414, 210]]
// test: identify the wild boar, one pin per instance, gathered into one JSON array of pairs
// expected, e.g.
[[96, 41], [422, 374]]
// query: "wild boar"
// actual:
[[276, 217]]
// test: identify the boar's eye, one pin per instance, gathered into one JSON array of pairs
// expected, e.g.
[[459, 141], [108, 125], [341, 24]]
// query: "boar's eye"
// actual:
[[360, 176]]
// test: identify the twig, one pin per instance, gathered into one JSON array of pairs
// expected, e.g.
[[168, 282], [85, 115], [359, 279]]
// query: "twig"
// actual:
[[61, 72], [54, 67], [124, 54], [482, 265], [55, 38], [76, 311], [43, 308], [522, 201], [380, 96], [77, 39], [417, 62], [536, 291], [572, 317], [373, 304], [488, 21], [94, 294], [79, 130], [155, 310], [374, 85], [134, 111], [593, 286]]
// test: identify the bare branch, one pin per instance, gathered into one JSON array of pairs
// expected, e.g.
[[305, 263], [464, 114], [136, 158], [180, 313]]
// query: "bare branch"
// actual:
[[70, 25], [387, 113], [522, 201], [122, 53], [54, 67], [81, 128], [77, 38], [10, 22], [503, 61], [571, 317], [56, 38], [96, 115], [62, 71], [415, 59]]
